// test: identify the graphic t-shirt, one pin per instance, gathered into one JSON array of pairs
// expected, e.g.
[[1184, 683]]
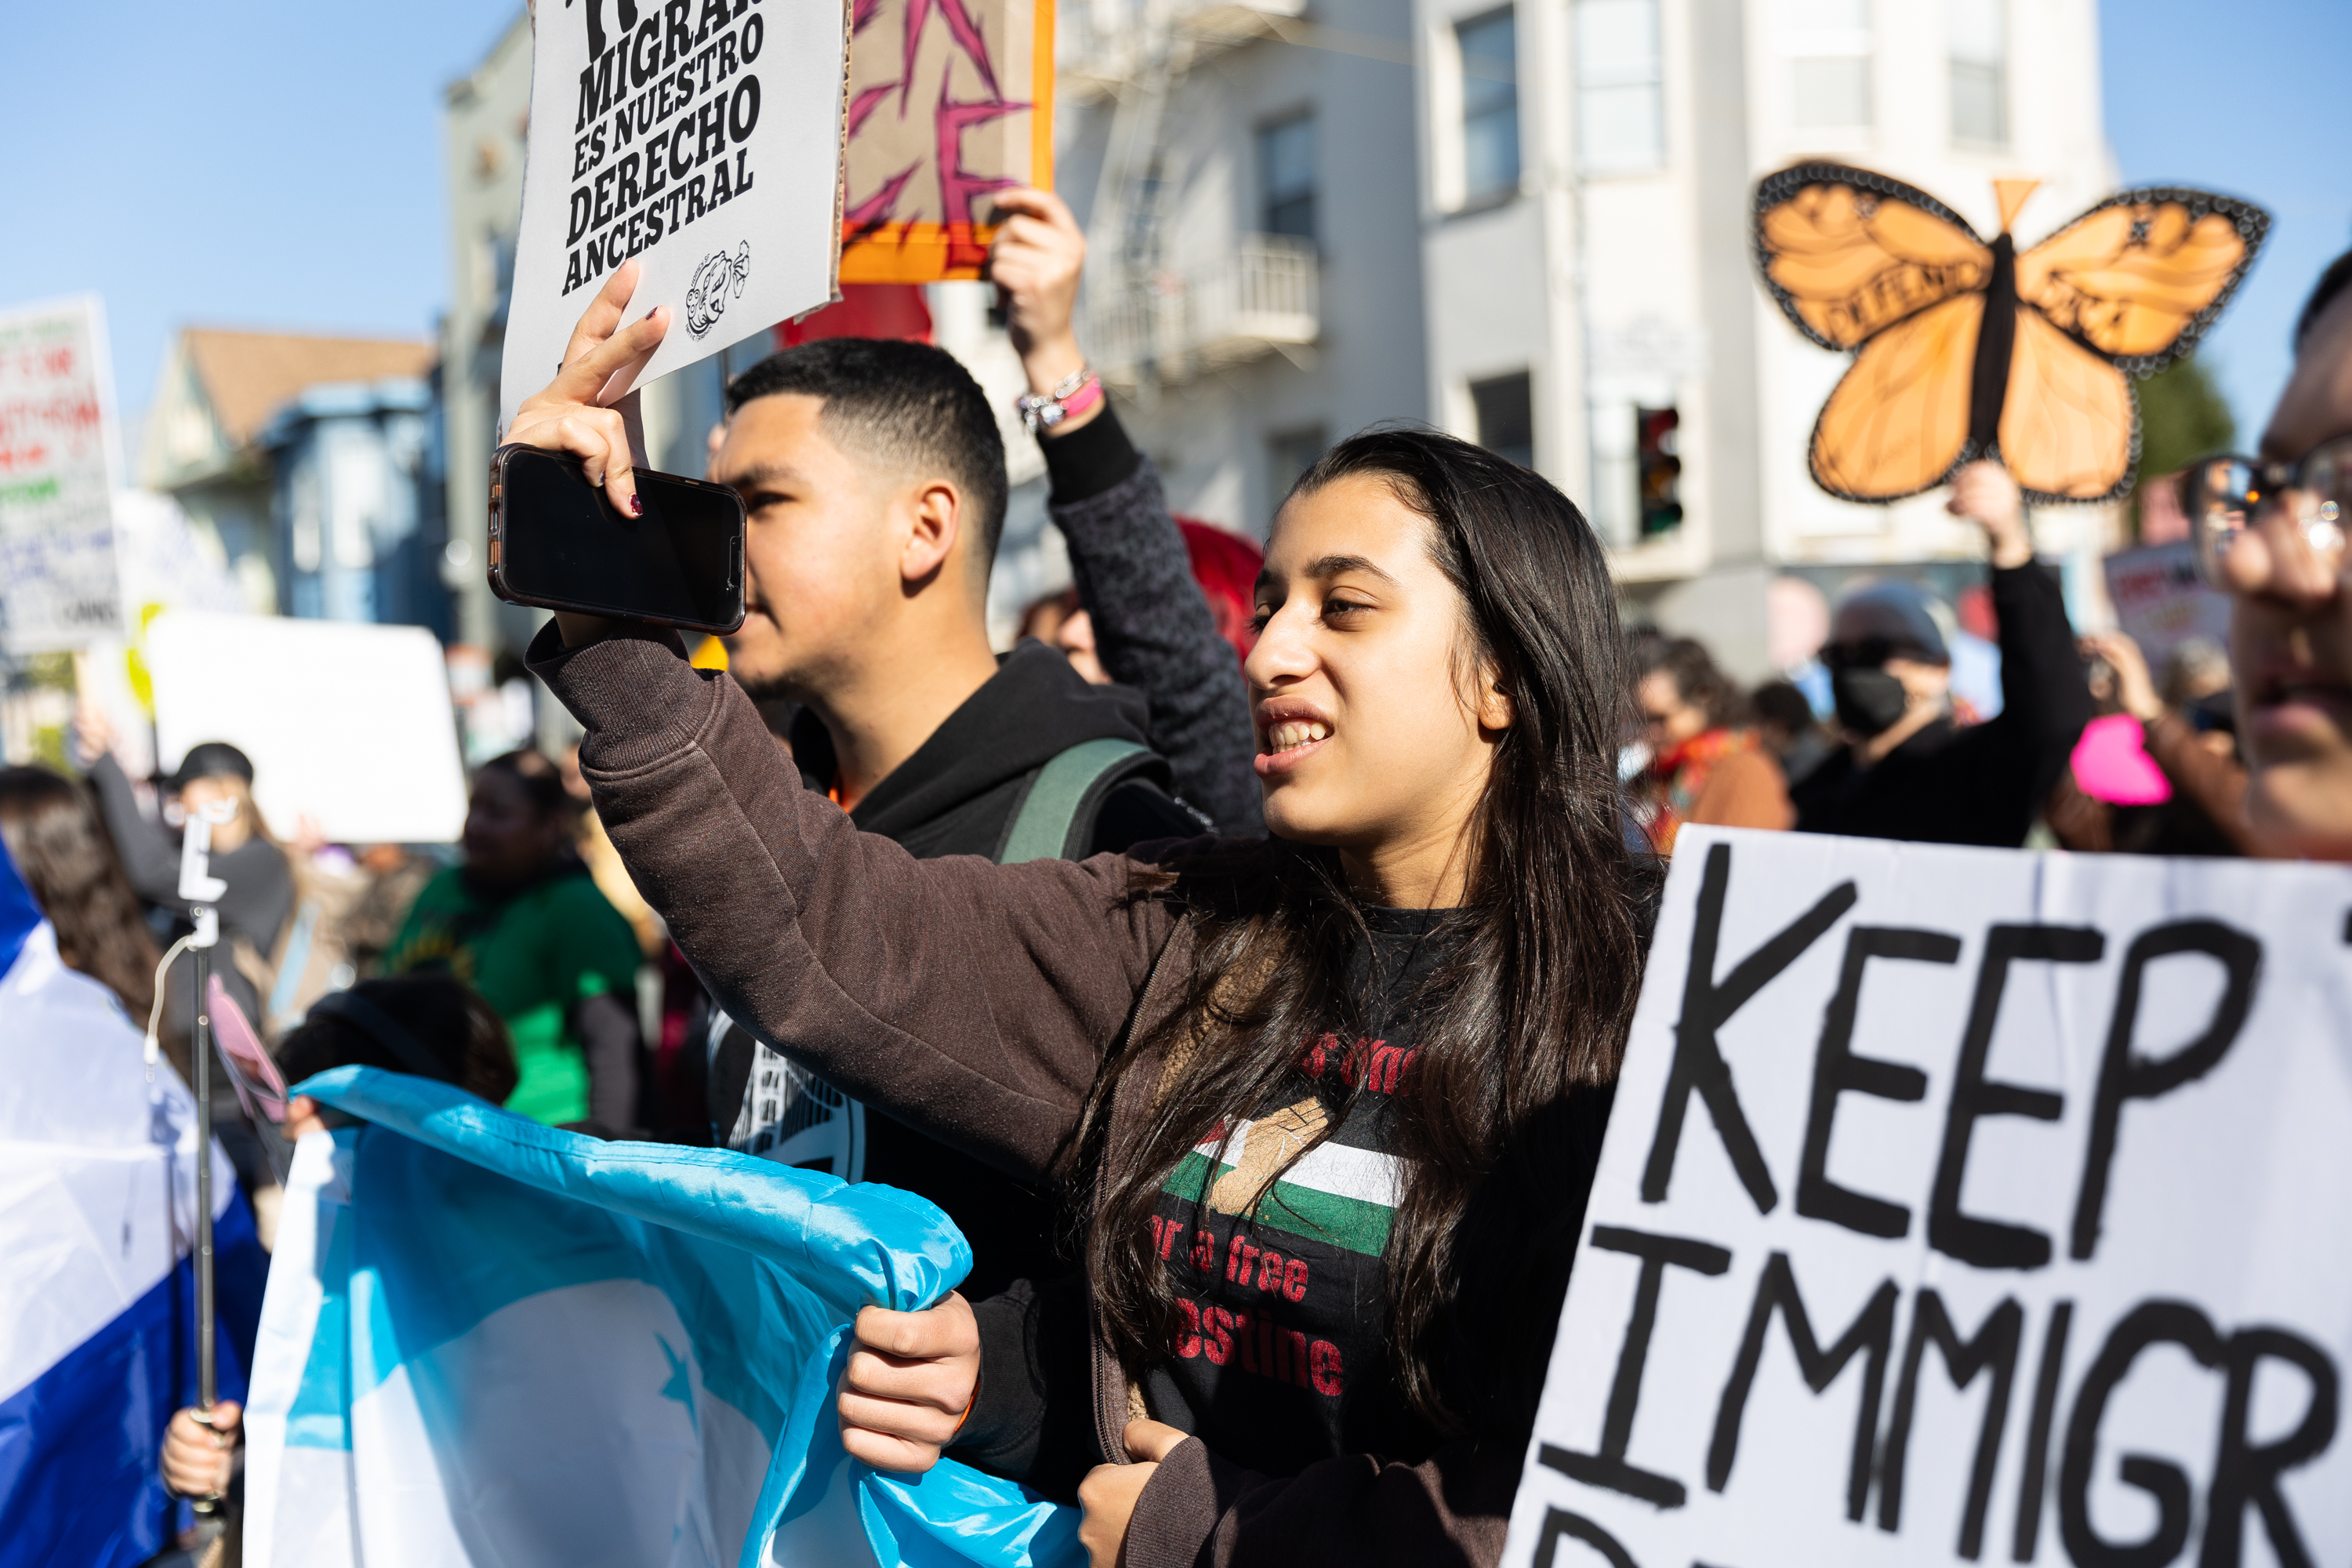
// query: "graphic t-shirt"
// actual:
[[533, 953], [1283, 1358]]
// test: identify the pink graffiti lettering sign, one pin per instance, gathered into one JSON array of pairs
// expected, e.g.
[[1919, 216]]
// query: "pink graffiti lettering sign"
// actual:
[[949, 100]]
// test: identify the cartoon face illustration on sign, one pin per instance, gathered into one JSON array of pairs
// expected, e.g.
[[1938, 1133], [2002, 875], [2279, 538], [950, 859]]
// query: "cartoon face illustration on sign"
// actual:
[[718, 278]]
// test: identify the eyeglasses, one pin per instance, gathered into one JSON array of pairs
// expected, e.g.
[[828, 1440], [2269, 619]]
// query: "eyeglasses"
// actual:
[[2226, 495]]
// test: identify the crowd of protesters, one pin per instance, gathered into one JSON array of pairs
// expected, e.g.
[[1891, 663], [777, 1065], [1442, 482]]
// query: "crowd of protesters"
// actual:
[[1061, 916]]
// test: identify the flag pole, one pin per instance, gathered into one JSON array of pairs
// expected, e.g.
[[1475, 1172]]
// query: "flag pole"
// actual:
[[202, 890]]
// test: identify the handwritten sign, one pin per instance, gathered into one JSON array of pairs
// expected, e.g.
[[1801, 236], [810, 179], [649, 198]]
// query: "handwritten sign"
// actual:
[[948, 100], [701, 138], [58, 587], [1964, 1205], [2162, 602]]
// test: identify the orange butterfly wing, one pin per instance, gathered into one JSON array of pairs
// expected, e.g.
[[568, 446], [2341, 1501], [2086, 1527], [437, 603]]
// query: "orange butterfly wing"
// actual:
[[1848, 253], [2140, 275], [1898, 420], [1860, 261], [2069, 425]]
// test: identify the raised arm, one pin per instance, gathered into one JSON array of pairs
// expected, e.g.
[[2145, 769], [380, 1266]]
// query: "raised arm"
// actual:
[[1152, 627], [970, 1000]]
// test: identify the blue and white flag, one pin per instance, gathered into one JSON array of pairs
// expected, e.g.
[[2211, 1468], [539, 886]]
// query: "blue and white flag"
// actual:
[[489, 1341], [97, 1212]]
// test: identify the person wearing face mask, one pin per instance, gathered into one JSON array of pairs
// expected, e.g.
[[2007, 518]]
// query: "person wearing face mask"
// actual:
[[2270, 530], [1907, 770]]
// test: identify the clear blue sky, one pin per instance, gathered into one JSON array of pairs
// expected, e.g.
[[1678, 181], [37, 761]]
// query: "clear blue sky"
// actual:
[[261, 163]]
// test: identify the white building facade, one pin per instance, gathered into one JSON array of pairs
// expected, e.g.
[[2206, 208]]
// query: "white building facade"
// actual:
[[1529, 224]]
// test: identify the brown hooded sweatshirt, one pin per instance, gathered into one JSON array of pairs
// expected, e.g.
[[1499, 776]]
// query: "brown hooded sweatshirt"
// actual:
[[978, 1002]]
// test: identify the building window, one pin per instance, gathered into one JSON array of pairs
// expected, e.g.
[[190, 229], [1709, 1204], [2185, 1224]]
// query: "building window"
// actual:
[[1829, 46], [1657, 450], [1290, 454], [1620, 103], [1977, 37], [1506, 411], [1490, 104], [1286, 174]]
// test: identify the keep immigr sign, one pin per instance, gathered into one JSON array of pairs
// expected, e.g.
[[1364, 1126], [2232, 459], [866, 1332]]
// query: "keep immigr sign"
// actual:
[[1964, 1205]]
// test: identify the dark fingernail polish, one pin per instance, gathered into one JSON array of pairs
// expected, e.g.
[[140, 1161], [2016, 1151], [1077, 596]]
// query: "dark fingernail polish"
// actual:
[[636, 505]]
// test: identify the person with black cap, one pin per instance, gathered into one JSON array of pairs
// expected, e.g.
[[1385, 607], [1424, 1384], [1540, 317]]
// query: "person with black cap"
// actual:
[[1907, 770]]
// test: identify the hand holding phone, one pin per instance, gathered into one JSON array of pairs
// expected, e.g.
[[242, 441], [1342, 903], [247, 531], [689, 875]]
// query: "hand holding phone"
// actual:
[[557, 541], [552, 544]]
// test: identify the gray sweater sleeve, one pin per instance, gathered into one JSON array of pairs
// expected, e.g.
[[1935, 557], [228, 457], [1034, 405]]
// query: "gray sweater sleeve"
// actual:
[[1153, 632]]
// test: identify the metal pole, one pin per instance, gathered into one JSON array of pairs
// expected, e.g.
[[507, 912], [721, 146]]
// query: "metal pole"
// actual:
[[207, 1384], [208, 1373]]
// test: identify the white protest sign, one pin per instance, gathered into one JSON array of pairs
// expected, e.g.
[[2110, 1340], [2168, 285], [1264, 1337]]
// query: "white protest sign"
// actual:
[[1964, 1205], [702, 137], [2162, 602], [347, 724], [58, 587]]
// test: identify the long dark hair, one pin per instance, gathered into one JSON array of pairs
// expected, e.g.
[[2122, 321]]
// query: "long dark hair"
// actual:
[[1520, 1027], [460, 1030], [54, 836]]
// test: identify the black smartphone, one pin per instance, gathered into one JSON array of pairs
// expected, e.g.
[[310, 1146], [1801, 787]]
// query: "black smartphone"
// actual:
[[558, 542]]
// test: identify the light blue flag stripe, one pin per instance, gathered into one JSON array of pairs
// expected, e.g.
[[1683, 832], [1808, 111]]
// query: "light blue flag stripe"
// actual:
[[763, 1265]]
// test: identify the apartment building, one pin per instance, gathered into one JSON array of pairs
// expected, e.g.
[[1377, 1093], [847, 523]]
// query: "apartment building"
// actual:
[[1528, 224]]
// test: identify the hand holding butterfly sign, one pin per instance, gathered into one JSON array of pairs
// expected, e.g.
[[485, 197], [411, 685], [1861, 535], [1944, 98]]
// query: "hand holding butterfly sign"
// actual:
[[1984, 493]]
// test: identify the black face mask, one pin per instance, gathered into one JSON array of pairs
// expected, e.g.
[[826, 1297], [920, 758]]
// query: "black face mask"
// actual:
[[1869, 700]]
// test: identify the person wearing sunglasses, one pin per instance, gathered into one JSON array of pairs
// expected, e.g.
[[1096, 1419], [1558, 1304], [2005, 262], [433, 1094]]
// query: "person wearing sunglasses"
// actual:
[[2270, 533], [1909, 770]]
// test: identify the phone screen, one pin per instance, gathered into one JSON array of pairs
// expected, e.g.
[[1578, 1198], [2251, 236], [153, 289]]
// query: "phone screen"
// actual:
[[557, 541]]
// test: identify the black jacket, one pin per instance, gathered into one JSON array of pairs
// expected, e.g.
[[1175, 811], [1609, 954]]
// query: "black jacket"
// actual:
[[1982, 785], [957, 794]]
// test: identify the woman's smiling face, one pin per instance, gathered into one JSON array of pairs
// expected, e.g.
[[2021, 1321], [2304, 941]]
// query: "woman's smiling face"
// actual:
[[1374, 733]]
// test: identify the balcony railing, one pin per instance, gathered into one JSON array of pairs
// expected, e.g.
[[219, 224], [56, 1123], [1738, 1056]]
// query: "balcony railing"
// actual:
[[1260, 298]]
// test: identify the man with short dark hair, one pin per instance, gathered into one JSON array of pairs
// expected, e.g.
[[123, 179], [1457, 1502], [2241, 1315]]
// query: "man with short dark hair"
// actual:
[[873, 477]]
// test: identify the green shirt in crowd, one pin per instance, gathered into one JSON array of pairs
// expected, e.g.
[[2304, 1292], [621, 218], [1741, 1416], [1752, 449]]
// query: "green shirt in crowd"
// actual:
[[533, 954]]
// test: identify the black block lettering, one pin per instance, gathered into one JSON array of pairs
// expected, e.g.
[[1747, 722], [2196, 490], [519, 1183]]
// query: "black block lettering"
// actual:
[[2124, 1075], [1608, 1467], [1983, 1243], [1993, 1348], [1706, 1007], [1837, 1070], [1558, 1522], [2030, 1488], [1871, 1331], [2247, 1474], [2149, 1323]]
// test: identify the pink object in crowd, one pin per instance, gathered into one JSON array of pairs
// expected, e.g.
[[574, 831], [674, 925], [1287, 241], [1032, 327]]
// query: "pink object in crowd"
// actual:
[[2111, 764]]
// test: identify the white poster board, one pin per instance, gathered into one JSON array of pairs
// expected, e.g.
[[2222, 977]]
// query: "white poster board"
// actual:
[[59, 586], [1964, 1205], [704, 141], [347, 724]]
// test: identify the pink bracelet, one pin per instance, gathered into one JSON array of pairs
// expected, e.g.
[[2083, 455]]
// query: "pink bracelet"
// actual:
[[1074, 396]]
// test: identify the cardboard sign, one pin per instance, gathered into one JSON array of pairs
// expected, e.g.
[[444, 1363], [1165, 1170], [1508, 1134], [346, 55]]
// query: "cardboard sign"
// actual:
[[1964, 1205], [948, 100], [348, 725], [2162, 602], [58, 585], [702, 137]]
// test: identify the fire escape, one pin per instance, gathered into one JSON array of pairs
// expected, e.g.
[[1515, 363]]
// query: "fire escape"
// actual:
[[1150, 322]]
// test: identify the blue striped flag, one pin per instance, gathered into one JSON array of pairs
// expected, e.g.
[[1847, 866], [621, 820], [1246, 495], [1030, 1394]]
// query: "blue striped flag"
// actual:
[[97, 1209], [489, 1341]]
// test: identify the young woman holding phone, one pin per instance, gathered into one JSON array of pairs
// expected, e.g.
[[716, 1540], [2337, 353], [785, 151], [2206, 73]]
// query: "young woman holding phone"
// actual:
[[1324, 1106]]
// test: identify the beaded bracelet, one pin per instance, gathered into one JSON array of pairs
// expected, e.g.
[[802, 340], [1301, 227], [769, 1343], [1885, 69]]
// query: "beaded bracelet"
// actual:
[[1073, 395]]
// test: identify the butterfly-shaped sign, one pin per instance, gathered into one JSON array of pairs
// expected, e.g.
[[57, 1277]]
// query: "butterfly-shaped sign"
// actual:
[[1965, 348]]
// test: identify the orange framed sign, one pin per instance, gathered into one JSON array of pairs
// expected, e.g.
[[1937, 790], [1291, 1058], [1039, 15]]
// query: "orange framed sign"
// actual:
[[949, 100]]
